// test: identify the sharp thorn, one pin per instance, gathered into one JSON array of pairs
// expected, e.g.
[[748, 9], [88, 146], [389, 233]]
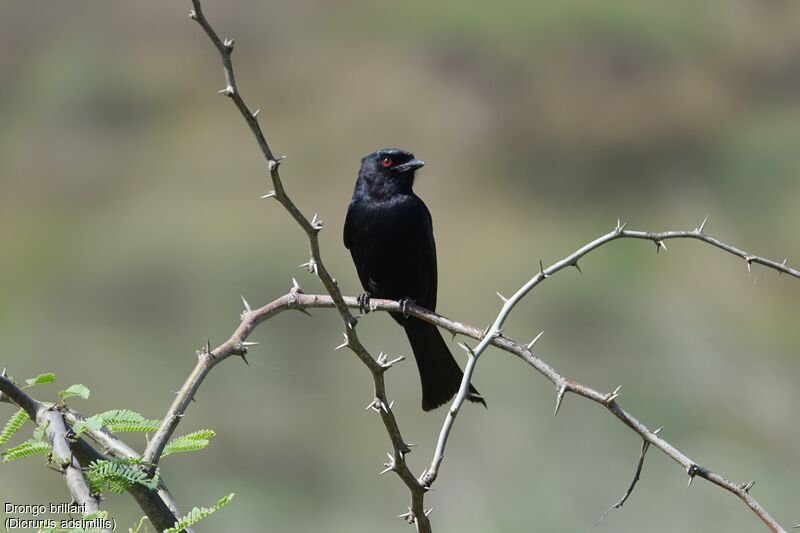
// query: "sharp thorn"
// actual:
[[244, 358], [657, 431], [530, 344], [429, 511], [249, 343], [305, 312], [246, 304], [295, 285], [541, 270], [466, 348], [503, 298], [387, 469], [256, 112], [344, 344], [562, 390], [270, 194], [577, 266], [702, 225]]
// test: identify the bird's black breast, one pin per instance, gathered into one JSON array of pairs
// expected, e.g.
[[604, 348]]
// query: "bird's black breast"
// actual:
[[392, 245]]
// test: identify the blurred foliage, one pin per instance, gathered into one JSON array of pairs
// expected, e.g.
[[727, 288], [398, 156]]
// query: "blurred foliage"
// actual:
[[130, 224]]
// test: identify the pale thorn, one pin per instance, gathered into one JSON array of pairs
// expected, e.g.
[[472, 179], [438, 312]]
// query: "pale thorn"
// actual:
[[659, 245], [530, 344], [344, 344], [429, 511], [391, 404], [541, 270], [657, 431], [246, 304], [228, 43], [614, 395], [227, 91], [295, 285], [370, 405], [4, 373], [501, 297], [394, 361], [749, 260], [747, 486], [783, 265], [700, 228], [193, 14], [256, 112], [562, 390], [387, 469], [270, 194], [691, 478], [466, 348], [249, 343]]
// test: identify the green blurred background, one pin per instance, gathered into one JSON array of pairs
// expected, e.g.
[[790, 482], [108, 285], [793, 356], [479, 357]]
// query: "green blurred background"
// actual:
[[130, 224]]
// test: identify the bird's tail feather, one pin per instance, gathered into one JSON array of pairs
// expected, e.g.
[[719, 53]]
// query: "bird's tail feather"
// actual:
[[439, 373]]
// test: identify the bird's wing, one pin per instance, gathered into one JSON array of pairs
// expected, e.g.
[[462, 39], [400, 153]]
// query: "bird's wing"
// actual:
[[347, 233], [429, 271]]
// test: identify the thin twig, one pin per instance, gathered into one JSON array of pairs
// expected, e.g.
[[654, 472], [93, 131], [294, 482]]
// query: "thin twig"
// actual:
[[636, 475]]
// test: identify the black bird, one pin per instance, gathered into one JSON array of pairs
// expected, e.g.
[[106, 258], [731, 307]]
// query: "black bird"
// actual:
[[389, 233]]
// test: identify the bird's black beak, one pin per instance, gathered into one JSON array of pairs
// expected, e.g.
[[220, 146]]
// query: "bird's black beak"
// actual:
[[412, 165]]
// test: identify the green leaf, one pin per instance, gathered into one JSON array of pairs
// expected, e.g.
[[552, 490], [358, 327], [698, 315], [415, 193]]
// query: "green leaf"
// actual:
[[189, 443], [123, 420], [87, 423], [81, 391], [118, 421], [26, 449], [13, 425], [118, 475], [41, 378], [195, 515]]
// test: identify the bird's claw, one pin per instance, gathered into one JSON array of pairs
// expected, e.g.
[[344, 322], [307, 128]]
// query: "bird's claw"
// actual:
[[363, 302]]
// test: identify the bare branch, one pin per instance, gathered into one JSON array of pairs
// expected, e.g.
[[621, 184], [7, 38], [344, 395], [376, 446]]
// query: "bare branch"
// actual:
[[619, 232]]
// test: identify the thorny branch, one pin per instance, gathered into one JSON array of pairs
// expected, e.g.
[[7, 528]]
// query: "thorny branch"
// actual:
[[209, 358], [236, 345]]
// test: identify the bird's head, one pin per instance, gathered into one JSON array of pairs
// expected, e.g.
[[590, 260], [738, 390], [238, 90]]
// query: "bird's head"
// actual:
[[390, 170]]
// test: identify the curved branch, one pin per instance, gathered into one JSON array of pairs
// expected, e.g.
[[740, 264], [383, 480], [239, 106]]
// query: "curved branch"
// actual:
[[619, 232], [417, 513]]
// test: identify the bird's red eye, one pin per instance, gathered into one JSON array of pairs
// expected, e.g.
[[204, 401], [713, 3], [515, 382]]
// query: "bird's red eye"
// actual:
[[387, 162]]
